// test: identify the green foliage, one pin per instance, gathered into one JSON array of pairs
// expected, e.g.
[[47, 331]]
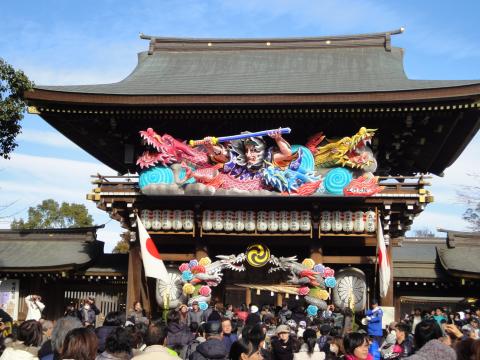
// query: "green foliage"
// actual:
[[49, 214], [13, 84], [123, 246]]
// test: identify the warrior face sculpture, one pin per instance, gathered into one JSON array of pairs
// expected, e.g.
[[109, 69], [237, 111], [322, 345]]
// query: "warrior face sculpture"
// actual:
[[250, 152]]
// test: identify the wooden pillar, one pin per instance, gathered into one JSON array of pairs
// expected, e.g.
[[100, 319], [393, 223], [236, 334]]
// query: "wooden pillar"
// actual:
[[279, 300], [388, 299], [316, 253], [248, 296], [134, 280]]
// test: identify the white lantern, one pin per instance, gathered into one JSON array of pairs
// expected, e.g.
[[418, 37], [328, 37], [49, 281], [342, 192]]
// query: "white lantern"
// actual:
[[228, 221], [146, 217], [187, 220], [167, 219], [358, 221], [218, 220], [262, 223], [370, 221], [157, 220], [337, 218], [177, 220], [305, 221], [294, 222], [239, 221], [207, 220], [272, 221], [326, 221], [347, 224], [283, 221], [250, 221]]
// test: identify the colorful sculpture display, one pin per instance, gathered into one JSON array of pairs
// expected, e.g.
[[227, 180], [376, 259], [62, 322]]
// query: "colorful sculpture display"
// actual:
[[244, 165]]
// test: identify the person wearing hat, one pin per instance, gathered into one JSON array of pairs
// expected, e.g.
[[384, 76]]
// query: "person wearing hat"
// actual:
[[253, 317], [283, 344], [213, 347], [195, 315], [374, 327]]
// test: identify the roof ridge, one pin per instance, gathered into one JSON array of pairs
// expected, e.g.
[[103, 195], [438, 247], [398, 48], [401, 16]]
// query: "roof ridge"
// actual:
[[379, 39]]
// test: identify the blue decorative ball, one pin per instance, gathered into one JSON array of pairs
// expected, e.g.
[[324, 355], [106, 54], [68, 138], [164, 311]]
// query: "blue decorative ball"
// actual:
[[319, 268], [187, 275], [336, 179], [156, 175], [330, 282], [202, 305], [193, 263], [312, 310]]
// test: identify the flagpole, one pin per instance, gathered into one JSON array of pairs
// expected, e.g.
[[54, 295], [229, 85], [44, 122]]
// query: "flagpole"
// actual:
[[376, 256]]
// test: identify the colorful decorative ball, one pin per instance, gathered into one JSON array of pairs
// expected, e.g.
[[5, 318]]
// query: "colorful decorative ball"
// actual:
[[205, 261], [336, 179], [308, 263], [198, 269], [202, 305], [319, 268], [205, 291], [156, 175], [330, 282], [327, 272], [188, 289], [183, 267], [304, 290], [193, 263], [187, 275], [312, 310]]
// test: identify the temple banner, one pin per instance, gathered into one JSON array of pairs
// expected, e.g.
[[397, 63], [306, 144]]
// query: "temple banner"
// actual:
[[261, 163]]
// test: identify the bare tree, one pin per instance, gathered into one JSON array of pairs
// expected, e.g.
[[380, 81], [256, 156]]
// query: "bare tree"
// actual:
[[470, 196], [424, 233]]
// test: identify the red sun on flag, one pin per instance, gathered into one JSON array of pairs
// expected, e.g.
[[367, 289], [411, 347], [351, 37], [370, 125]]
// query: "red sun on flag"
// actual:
[[152, 249]]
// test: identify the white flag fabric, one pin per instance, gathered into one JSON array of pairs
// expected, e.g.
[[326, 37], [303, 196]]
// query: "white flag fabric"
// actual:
[[152, 262], [383, 261]]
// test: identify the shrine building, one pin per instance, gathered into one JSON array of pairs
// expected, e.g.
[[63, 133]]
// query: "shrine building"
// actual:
[[358, 143]]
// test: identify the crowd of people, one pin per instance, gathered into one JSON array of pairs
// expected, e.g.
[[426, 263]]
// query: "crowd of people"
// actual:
[[243, 333]]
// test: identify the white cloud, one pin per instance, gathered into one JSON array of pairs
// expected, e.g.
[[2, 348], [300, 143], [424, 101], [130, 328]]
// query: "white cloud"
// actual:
[[49, 138]]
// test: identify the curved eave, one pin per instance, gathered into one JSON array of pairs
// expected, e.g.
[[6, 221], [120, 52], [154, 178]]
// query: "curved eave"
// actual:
[[436, 94]]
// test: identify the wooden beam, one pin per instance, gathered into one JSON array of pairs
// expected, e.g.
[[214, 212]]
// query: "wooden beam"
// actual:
[[349, 259], [177, 256]]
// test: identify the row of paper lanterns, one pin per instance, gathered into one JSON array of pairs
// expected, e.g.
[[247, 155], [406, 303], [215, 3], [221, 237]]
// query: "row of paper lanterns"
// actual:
[[272, 221], [348, 221], [167, 219]]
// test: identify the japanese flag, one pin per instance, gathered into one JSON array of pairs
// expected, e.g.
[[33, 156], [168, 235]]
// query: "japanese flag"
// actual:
[[383, 261], [152, 263]]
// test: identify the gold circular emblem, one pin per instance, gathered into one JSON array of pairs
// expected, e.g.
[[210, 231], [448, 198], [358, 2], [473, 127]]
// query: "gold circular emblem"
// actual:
[[258, 255]]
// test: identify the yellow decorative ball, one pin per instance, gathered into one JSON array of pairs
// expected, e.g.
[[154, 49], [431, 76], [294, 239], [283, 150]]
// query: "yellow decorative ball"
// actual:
[[308, 263], [205, 261], [188, 289], [319, 293]]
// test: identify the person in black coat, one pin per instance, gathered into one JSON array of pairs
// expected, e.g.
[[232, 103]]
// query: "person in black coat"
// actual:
[[178, 333], [253, 317], [213, 348], [283, 346]]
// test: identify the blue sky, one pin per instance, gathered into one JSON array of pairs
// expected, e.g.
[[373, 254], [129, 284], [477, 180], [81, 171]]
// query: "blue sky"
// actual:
[[84, 42]]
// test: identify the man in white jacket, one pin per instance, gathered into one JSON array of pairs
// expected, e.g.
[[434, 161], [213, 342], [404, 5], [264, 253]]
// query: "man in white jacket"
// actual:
[[35, 307]]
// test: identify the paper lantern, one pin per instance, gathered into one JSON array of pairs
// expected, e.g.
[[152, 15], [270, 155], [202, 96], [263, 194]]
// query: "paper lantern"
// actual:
[[272, 221], [262, 224], [239, 221], [207, 220], [188, 220], [228, 220], [167, 219], [358, 221], [347, 223], [305, 221], [283, 221], [326, 221], [177, 220], [218, 220], [337, 218], [146, 216], [157, 220], [294, 222], [370, 221], [250, 222]]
